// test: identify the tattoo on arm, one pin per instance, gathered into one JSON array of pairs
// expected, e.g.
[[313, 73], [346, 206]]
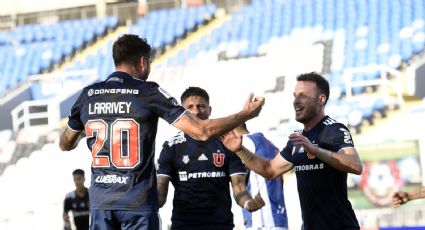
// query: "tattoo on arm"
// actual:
[[162, 186]]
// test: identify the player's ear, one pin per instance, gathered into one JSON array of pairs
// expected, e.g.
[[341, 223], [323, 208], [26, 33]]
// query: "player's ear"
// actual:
[[322, 99], [210, 110], [142, 61]]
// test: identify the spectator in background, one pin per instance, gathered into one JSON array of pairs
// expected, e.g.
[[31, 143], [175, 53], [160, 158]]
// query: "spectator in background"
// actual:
[[273, 215], [119, 117], [322, 155], [200, 172], [142, 8], [400, 198], [77, 202]]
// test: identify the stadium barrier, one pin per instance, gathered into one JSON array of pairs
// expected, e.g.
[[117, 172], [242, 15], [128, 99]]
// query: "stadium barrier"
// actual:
[[53, 95]]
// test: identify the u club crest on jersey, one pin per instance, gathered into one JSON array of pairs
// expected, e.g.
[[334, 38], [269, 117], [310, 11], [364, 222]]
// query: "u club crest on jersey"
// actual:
[[218, 159]]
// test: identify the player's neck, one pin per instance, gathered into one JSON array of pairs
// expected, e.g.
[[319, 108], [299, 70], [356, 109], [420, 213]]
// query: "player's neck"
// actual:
[[80, 191], [127, 69], [313, 122]]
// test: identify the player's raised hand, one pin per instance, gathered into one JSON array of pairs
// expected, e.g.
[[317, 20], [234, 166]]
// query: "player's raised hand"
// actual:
[[399, 198], [300, 140], [255, 203], [253, 105], [232, 141]]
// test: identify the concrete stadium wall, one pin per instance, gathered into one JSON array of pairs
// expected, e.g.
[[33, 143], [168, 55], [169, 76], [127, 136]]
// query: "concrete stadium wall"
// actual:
[[9, 105]]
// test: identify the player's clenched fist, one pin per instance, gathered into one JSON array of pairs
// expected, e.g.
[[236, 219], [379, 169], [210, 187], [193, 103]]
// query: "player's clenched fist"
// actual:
[[255, 203], [400, 198]]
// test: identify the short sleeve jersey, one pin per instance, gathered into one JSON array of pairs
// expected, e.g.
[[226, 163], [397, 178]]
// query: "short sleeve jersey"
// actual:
[[120, 118], [322, 189], [80, 209], [200, 173]]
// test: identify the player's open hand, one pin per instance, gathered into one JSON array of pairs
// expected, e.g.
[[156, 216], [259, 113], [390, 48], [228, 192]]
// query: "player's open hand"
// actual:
[[399, 198], [253, 105], [255, 203], [232, 141]]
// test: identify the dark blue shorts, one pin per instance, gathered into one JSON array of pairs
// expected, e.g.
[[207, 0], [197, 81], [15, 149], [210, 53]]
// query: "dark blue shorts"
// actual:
[[124, 219]]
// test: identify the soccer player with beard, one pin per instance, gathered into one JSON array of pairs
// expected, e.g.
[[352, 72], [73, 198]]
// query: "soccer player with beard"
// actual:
[[322, 154], [200, 172], [119, 117]]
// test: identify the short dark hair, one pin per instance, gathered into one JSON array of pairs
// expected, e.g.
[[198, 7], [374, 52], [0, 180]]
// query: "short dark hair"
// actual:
[[321, 82], [195, 91], [129, 49], [78, 172]]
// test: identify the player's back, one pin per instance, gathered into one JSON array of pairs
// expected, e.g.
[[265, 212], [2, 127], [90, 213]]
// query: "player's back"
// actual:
[[120, 118]]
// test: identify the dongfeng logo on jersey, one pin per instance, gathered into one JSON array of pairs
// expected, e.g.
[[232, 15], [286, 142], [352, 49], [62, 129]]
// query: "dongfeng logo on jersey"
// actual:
[[112, 91], [218, 159], [185, 159]]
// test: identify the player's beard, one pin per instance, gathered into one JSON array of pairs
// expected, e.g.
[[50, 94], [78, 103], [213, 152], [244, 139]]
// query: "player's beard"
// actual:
[[308, 113], [144, 74]]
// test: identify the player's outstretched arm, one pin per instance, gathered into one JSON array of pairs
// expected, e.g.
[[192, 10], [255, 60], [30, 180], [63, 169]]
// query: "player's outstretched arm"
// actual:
[[69, 139], [400, 198], [162, 186], [210, 128], [267, 168], [242, 196]]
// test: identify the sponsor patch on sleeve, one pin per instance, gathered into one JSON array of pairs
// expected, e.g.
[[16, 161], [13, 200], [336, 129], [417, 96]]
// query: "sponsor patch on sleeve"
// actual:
[[165, 93]]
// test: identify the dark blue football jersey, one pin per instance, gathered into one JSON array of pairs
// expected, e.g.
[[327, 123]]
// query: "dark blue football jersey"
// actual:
[[120, 119], [200, 173], [322, 189], [80, 208]]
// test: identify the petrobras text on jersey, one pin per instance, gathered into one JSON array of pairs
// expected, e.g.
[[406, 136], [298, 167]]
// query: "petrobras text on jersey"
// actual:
[[111, 179], [184, 176], [309, 167], [112, 91]]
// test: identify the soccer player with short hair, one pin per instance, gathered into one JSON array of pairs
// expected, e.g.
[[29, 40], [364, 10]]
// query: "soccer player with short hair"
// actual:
[[200, 172], [273, 216], [78, 203], [119, 117], [322, 155]]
